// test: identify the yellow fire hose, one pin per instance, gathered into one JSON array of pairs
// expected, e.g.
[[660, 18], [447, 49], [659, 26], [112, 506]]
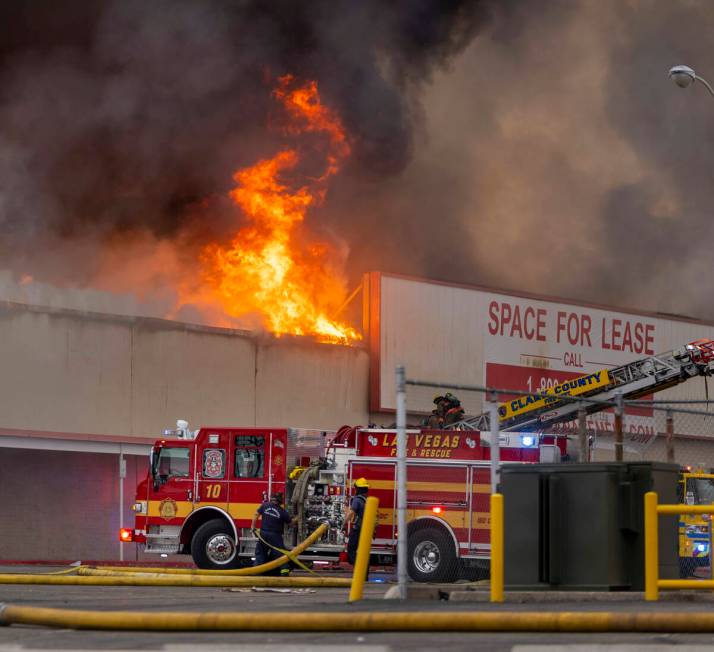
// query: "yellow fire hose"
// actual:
[[65, 571], [287, 553], [185, 577], [109, 578], [361, 621], [253, 570]]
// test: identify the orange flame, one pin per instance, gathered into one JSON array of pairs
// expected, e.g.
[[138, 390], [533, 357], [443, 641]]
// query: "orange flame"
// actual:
[[264, 269]]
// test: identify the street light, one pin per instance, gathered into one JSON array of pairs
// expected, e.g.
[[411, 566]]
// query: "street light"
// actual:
[[684, 76]]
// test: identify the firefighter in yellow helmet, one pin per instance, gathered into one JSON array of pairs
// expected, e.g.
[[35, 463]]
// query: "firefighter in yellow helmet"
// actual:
[[354, 517]]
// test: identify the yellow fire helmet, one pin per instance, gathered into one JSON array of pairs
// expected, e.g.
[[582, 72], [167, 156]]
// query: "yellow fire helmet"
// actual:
[[296, 472], [361, 483]]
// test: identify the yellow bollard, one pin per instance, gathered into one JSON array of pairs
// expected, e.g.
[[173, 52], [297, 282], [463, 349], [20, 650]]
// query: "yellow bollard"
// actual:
[[359, 575], [711, 546], [496, 547], [651, 547]]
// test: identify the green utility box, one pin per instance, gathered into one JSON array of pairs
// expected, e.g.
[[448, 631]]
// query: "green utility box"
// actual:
[[581, 526]]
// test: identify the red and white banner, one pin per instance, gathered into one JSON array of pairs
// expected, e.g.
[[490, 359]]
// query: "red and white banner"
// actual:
[[461, 335], [532, 345]]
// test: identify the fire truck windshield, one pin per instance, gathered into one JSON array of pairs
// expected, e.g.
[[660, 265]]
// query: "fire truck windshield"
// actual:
[[171, 463]]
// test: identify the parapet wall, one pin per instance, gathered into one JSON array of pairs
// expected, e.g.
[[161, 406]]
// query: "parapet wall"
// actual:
[[83, 372]]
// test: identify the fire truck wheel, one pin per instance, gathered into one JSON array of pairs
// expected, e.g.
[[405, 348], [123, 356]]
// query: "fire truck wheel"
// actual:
[[213, 546], [432, 556]]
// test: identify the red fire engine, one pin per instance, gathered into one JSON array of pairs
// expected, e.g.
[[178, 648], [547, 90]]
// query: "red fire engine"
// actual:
[[201, 493], [203, 487]]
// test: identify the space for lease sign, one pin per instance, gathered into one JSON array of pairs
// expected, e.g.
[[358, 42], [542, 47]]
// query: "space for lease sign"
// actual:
[[538, 346], [453, 334], [567, 327]]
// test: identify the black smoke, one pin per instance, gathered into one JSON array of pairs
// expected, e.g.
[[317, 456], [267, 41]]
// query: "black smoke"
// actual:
[[557, 157], [124, 115], [533, 146]]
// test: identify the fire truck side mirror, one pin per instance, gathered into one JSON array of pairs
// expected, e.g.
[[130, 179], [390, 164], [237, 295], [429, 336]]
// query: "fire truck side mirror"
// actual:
[[153, 465]]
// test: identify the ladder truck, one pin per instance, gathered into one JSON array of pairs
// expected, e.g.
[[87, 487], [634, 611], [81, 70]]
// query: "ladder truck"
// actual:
[[202, 487], [539, 412]]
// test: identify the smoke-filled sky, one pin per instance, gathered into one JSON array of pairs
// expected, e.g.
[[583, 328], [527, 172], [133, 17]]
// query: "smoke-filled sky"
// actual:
[[521, 144]]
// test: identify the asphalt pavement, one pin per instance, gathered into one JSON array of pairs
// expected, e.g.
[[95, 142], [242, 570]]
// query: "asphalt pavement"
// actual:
[[325, 601]]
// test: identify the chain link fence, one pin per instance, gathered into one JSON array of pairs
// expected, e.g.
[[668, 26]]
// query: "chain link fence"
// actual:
[[448, 504]]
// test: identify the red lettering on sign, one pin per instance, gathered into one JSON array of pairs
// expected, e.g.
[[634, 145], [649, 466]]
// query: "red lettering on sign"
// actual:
[[516, 327], [493, 317], [627, 338], [528, 315], [605, 343], [624, 335], [509, 320], [561, 325], [576, 327], [585, 327], [616, 323], [541, 325], [649, 339], [573, 329], [505, 317]]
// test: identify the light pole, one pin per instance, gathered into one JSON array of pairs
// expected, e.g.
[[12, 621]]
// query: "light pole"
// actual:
[[684, 76]]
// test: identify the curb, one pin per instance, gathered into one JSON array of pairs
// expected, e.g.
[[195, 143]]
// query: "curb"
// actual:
[[579, 597]]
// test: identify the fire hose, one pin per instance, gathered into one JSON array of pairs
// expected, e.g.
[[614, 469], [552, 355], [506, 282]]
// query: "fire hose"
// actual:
[[97, 577], [287, 555], [592, 621], [186, 577]]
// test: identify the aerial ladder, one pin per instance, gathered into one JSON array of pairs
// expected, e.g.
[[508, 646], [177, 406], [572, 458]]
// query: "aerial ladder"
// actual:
[[560, 404]]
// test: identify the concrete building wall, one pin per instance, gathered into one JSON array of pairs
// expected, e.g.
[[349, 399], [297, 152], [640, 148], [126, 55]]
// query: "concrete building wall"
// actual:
[[67, 371], [82, 373], [203, 377], [311, 385]]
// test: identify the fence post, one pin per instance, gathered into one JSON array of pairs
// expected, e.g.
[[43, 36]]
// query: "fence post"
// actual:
[[122, 476], [651, 547], [495, 451], [497, 541], [619, 411], [670, 437], [402, 482], [582, 434]]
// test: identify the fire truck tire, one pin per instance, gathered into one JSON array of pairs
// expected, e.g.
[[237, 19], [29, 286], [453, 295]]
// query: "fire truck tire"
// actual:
[[213, 546], [432, 556]]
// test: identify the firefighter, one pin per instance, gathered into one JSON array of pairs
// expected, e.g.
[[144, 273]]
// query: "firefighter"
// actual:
[[354, 516], [270, 540], [436, 418], [453, 411]]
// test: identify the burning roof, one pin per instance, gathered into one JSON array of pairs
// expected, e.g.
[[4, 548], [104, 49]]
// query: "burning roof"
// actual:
[[294, 282]]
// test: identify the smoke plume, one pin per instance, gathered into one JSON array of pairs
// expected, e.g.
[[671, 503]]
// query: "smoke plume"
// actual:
[[558, 158], [124, 121], [527, 145]]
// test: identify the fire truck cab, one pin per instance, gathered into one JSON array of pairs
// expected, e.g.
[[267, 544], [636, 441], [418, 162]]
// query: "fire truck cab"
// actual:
[[202, 489]]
